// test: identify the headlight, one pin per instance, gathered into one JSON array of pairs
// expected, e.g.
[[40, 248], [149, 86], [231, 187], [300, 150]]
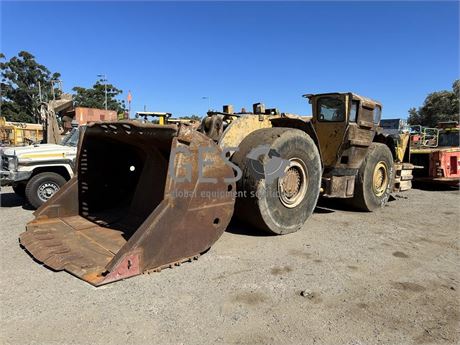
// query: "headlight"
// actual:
[[12, 163]]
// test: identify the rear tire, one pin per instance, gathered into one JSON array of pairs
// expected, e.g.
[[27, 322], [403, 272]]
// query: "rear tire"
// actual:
[[279, 189], [374, 180], [42, 187]]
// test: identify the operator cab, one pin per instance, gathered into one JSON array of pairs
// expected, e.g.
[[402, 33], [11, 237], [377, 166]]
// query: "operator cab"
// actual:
[[345, 124]]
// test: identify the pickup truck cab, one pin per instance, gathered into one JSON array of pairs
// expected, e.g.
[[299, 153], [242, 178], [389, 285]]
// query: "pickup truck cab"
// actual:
[[38, 171]]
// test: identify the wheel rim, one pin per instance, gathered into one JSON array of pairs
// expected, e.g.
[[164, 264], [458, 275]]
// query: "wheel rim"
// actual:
[[46, 190], [380, 178], [292, 187]]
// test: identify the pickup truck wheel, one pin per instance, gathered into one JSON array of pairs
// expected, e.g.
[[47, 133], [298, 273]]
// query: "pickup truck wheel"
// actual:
[[20, 189], [42, 187]]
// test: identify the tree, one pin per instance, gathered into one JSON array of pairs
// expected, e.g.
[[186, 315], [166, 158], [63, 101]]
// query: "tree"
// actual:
[[438, 106], [22, 80], [192, 117], [95, 97]]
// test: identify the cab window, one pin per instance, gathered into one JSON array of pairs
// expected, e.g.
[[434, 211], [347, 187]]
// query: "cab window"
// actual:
[[377, 114], [449, 139], [331, 109], [353, 111]]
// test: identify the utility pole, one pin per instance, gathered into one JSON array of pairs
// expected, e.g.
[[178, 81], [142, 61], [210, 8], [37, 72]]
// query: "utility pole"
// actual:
[[104, 79]]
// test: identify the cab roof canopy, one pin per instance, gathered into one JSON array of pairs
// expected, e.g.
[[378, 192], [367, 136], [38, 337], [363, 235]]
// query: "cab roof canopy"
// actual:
[[364, 100]]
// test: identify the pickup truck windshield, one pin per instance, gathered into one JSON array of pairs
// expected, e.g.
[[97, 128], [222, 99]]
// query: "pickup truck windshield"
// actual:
[[71, 139]]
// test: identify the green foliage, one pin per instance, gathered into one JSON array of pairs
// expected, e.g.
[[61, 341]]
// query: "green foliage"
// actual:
[[438, 106], [95, 97], [21, 76], [192, 117]]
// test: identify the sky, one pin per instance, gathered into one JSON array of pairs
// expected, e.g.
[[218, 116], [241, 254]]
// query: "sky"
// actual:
[[172, 54]]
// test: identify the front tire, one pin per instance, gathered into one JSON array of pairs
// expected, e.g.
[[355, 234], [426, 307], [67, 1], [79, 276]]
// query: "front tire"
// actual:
[[42, 187], [374, 181], [280, 203]]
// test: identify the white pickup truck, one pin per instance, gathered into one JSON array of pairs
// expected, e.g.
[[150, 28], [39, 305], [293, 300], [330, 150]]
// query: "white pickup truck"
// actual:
[[37, 171]]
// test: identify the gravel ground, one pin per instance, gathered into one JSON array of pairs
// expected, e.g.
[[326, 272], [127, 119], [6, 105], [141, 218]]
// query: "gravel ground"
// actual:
[[389, 277]]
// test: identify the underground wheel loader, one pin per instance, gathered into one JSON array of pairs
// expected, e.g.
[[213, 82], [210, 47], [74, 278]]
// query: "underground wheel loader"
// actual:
[[148, 196]]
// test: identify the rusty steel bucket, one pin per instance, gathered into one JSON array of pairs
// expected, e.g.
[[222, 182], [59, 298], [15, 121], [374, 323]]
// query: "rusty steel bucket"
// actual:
[[135, 204]]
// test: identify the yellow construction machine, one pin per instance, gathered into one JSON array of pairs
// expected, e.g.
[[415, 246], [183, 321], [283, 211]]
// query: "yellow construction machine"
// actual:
[[164, 118], [151, 196], [19, 133]]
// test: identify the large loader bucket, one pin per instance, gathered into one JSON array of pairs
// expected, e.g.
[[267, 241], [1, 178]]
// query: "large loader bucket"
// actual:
[[135, 205]]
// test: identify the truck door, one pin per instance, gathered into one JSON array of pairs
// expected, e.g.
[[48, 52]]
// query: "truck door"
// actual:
[[330, 122], [363, 119]]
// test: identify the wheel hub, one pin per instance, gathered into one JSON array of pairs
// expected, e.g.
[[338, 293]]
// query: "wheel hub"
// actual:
[[46, 190], [292, 187], [291, 182], [380, 179]]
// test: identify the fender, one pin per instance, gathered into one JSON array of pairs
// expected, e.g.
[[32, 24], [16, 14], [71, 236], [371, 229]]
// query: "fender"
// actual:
[[389, 141], [305, 126], [68, 165]]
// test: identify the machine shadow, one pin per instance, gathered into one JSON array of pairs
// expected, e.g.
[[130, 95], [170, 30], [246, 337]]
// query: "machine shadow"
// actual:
[[434, 187], [327, 205], [324, 206], [238, 227], [11, 200], [14, 200]]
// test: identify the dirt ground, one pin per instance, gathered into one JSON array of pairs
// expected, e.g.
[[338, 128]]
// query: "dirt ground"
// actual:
[[389, 277]]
